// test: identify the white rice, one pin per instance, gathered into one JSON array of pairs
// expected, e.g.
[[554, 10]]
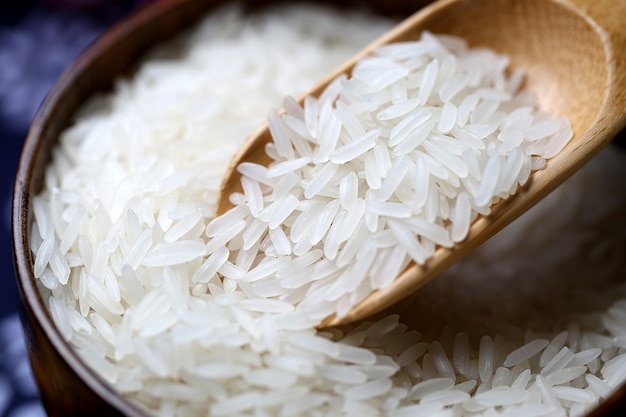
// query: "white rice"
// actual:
[[188, 315]]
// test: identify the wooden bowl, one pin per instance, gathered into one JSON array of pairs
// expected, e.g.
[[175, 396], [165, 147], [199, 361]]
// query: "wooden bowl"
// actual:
[[68, 387]]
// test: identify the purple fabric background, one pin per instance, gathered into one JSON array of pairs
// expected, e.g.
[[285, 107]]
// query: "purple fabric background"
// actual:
[[38, 39]]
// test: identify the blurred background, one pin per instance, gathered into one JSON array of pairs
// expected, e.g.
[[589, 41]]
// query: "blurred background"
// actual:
[[38, 39]]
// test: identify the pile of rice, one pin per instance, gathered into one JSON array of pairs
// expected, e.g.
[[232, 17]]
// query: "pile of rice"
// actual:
[[135, 284]]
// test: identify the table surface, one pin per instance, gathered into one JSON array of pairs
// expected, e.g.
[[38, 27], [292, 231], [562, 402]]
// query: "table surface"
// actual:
[[38, 39]]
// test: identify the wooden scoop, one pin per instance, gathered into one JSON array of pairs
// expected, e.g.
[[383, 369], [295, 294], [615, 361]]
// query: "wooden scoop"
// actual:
[[574, 55]]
